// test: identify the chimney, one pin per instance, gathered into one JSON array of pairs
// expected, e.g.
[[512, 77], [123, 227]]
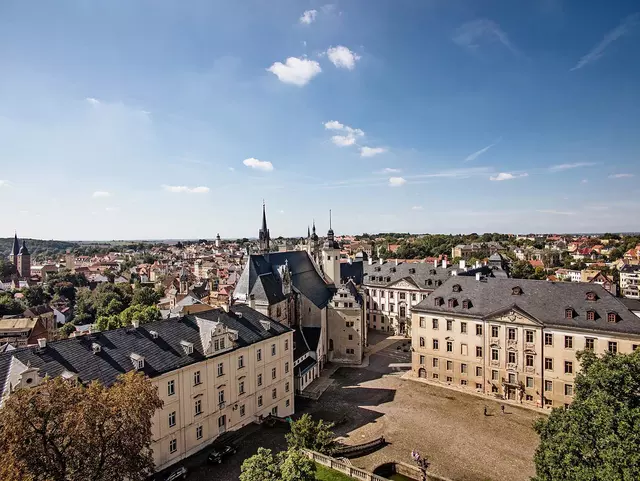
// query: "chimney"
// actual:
[[444, 263], [477, 264], [135, 323], [435, 262], [370, 260], [478, 276], [252, 301], [463, 264], [396, 261], [42, 343], [454, 272], [381, 261]]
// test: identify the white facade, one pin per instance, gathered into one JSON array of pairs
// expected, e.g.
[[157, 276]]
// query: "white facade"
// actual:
[[630, 284]]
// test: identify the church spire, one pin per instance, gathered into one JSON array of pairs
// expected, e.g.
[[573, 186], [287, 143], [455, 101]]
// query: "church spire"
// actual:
[[15, 249], [263, 235]]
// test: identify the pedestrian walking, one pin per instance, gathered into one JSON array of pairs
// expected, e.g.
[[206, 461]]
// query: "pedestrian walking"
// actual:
[[502, 408], [485, 410]]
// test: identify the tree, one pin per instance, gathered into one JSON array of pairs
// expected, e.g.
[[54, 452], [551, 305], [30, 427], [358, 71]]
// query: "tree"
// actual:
[[145, 296], [6, 269], [598, 436], [522, 270], [9, 305], [61, 431], [289, 465], [309, 434], [35, 296]]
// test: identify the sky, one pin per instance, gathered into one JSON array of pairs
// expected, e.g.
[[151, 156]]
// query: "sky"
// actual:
[[134, 119]]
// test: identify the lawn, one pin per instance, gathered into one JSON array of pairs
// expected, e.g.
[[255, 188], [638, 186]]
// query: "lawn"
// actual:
[[326, 474]]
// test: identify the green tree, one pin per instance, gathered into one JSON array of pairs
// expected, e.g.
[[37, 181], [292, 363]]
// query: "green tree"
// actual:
[[309, 434], [62, 431], [290, 465], [6, 269], [35, 296], [145, 296], [140, 313], [522, 270], [295, 466], [597, 437], [9, 305]]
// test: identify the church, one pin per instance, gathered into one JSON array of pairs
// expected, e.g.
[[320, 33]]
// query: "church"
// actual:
[[312, 292], [20, 258]]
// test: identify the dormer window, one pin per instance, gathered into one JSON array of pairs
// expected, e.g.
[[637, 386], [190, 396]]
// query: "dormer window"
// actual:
[[456, 288], [592, 296], [591, 315], [153, 334], [393, 269], [452, 303], [137, 360], [438, 282], [266, 325], [388, 279], [187, 346], [466, 304], [438, 301], [429, 282], [412, 271], [432, 272], [96, 348], [516, 291], [612, 316], [568, 313]]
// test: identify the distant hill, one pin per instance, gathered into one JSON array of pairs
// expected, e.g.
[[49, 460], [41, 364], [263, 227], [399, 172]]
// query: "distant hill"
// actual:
[[38, 247]]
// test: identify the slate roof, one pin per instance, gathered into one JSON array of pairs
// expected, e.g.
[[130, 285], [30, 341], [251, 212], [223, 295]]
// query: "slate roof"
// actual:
[[632, 304], [312, 335], [423, 275], [300, 344], [305, 366], [543, 300], [627, 268], [161, 355], [260, 277], [353, 270]]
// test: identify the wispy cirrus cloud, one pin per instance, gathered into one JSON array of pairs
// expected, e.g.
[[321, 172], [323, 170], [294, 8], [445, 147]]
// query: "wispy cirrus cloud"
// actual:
[[4, 183], [481, 31], [263, 165], [575, 165], [397, 181], [388, 170], [620, 176], [417, 207], [178, 189], [478, 153], [628, 24], [295, 71], [101, 193], [555, 212], [507, 176]]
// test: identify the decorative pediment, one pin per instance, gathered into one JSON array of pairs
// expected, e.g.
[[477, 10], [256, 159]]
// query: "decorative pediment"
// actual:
[[514, 315], [405, 283]]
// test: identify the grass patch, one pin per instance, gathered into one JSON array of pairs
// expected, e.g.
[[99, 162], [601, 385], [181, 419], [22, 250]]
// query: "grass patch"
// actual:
[[325, 474]]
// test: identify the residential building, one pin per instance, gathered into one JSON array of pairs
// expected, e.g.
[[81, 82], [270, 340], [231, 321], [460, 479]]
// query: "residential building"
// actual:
[[516, 338], [598, 277], [630, 281], [478, 250], [215, 371], [22, 331]]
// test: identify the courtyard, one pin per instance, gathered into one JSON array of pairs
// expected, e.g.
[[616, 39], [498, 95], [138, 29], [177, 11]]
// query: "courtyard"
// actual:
[[447, 427]]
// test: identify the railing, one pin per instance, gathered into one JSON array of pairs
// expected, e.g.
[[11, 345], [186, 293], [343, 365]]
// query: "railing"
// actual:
[[349, 451], [221, 405]]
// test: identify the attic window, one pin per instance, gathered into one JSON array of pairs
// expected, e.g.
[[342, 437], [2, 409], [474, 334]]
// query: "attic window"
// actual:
[[456, 288], [591, 315], [438, 301], [438, 282], [388, 279], [377, 269], [429, 282], [612, 316], [452, 303], [432, 272], [466, 304], [568, 313], [591, 296], [153, 334], [266, 325], [412, 271], [137, 360], [187, 346], [393, 269], [96, 348], [516, 291]]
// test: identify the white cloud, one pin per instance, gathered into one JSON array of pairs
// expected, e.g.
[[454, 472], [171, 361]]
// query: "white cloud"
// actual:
[[417, 207], [4, 183], [388, 170], [101, 193], [281, 211], [342, 57], [597, 52], [371, 151], [263, 165], [507, 176], [350, 134], [584, 181], [472, 34], [620, 176], [555, 212], [92, 101], [343, 140], [333, 125], [396, 181], [111, 209], [478, 153], [177, 189], [575, 165], [231, 169], [295, 71], [308, 17]]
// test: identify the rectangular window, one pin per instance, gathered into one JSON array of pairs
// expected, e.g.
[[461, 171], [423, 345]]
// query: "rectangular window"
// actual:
[[478, 351], [259, 401], [495, 356], [241, 387], [273, 349], [390, 295], [287, 403], [463, 368], [422, 359], [435, 362], [495, 375], [242, 410], [220, 369], [286, 344], [495, 331], [286, 386], [511, 357], [221, 396], [423, 322], [613, 347], [172, 419], [548, 386], [199, 432], [286, 367], [436, 344], [548, 339], [422, 341], [512, 378], [259, 354], [351, 337], [568, 389], [259, 379], [568, 367], [240, 362], [449, 379], [197, 408], [463, 327], [548, 363], [463, 382], [435, 376], [434, 323], [511, 334], [274, 373], [463, 349], [478, 371], [196, 378], [449, 325], [173, 445], [568, 342], [449, 365], [528, 336], [274, 393], [478, 386], [528, 360], [449, 346], [478, 329], [529, 382], [402, 296], [171, 388]]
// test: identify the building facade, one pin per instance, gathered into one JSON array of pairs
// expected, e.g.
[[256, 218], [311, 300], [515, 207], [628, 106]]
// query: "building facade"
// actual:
[[630, 281], [516, 338]]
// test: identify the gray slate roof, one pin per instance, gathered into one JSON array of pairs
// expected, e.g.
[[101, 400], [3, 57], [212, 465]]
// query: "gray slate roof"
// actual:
[[260, 277], [161, 355], [353, 270], [543, 300]]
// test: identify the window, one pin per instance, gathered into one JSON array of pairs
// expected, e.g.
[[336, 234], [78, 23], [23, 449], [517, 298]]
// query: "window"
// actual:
[[463, 368], [259, 379], [463, 382], [436, 344], [259, 354], [242, 410], [402, 295], [548, 339], [435, 375], [199, 432], [286, 344], [548, 386], [511, 334], [423, 322], [548, 364], [172, 419], [591, 315], [422, 359], [197, 408], [568, 367], [478, 371], [449, 346], [511, 357], [589, 343], [568, 342], [241, 387], [478, 329], [463, 349], [528, 360], [478, 351], [351, 337], [171, 388], [494, 375], [286, 386], [220, 369], [478, 386], [449, 365], [568, 313], [286, 367], [528, 397], [173, 445], [452, 303], [568, 389], [512, 378], [612, 317], [413, 297], [240, 362], [465, 304], [528, 336], [196, 378], [392, 307], [273, 349], [463, 327], [495, 356], [274, 393], [449, 325], [613, 347], [287, 403], [435, 362], [495, 331], [274, 373], [529, 382], [548, 402], [449, 379], [259, 401], [390, 295], [422, 342], [434, 323], [221, 396]]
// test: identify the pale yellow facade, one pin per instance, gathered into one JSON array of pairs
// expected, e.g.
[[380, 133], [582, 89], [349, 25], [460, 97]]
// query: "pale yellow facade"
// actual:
[[222, 393], [509, 354]]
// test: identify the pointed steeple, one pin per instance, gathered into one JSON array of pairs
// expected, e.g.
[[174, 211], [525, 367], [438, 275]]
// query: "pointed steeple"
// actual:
[[330, 243], [23, 250], [308, 232], [15, 248], [263, 235]]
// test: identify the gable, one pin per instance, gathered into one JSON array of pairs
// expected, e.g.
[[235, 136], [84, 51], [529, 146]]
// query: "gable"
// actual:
[[513, 315], [405, 283]]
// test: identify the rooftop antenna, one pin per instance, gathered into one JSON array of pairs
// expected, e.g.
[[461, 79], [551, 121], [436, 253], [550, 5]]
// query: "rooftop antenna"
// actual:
[[329, 218]]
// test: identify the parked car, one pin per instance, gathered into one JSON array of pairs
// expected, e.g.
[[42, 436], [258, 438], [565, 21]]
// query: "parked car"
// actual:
[[218, 454], [178, 473]]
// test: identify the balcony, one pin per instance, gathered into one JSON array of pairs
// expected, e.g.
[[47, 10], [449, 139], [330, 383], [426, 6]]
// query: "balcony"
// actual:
[[512, 343], [512, 366]]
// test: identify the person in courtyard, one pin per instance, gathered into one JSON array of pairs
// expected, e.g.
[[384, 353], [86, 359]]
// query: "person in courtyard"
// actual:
[[502, 408]]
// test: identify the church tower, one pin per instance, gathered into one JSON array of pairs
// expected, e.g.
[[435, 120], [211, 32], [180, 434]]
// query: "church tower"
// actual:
[[15, 250], [312, 244], [218, 241], [263, 235], [331, 256], [184, 281], [24, 262]]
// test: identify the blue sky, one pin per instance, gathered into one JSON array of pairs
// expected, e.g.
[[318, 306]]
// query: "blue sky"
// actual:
[[162, 119]]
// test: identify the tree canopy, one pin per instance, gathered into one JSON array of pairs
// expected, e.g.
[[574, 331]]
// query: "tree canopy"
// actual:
[[309, 434], [290, 465], [596, 438], [64, 431]]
